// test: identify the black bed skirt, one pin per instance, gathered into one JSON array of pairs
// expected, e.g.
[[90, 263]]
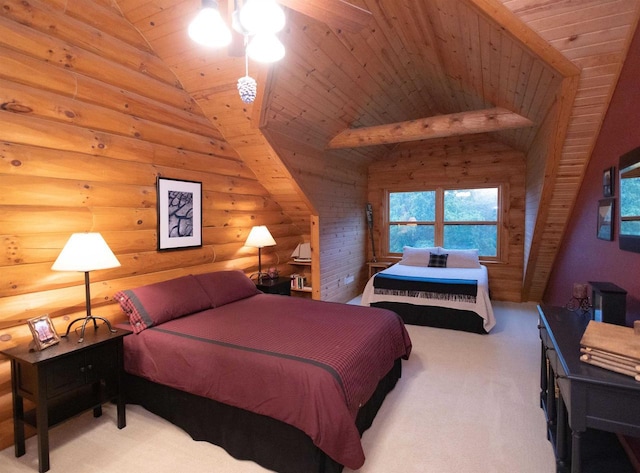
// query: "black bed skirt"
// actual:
[[432, 316], [244, 435]]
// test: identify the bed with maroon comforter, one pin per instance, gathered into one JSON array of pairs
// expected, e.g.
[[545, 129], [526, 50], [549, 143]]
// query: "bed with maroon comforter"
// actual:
[[316, 370]]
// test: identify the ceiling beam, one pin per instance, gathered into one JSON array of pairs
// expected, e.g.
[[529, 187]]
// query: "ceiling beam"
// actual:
[[464, 123]]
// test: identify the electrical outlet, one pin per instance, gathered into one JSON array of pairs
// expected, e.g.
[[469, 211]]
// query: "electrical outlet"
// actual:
[[348, 280]]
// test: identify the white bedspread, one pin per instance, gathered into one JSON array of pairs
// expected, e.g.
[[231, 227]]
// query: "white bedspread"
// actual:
[[482, 306]]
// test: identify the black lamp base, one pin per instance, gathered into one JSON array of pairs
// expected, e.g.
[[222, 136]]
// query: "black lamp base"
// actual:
[[85, 321]]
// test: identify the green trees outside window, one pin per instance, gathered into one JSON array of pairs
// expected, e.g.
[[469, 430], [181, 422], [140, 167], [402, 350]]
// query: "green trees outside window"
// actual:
[[451, 218]]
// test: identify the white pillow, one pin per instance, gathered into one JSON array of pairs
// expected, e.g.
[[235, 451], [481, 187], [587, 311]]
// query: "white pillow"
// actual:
[[462, 258], [417, 256]]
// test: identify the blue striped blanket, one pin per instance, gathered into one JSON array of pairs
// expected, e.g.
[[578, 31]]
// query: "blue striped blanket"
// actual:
[[457, 290]]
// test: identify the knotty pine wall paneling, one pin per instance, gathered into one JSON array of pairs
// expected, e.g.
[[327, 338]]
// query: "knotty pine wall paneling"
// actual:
[[89, 118], [466, 161], [336, 185]]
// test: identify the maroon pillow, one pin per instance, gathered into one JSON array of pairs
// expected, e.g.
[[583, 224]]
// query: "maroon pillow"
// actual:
[[154, 304], [224, 287]]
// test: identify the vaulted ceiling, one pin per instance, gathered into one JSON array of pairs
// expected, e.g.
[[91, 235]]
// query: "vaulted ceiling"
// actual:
[[535, 74]]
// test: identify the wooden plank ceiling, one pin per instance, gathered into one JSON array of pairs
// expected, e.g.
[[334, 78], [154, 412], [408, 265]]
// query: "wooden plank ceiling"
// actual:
[[542, 60]]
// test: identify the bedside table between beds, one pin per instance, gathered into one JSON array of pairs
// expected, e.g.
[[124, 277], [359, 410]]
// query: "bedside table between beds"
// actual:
[[376, 266], [280, 286]]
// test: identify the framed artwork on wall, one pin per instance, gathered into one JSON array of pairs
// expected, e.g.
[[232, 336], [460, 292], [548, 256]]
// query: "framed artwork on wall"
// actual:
[[605, 219], [607, 182], [179, 214], [43, 331]]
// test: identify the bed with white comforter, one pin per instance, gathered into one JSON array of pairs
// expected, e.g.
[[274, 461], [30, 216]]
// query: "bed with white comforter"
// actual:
[[454, 297]]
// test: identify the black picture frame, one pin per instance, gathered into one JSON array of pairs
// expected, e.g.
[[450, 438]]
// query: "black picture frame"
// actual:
[[604, 229], [179, 214], [607, 182]]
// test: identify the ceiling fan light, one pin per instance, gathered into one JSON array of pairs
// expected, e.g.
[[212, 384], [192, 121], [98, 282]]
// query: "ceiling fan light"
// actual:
[[265, 48], [209, 29], [261, 16]]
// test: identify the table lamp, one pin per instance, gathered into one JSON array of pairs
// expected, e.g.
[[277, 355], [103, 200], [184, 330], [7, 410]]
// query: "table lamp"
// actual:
[[260, 237], [86, 252]]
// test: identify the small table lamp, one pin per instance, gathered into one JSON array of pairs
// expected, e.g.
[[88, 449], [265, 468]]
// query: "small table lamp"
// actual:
[[86, 252], [260, 237]]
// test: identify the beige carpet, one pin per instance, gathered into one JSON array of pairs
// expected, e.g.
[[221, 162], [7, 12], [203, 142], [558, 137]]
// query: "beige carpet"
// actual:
[[466, 403]]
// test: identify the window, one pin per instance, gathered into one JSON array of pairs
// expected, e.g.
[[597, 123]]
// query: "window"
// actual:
[[451, 218]]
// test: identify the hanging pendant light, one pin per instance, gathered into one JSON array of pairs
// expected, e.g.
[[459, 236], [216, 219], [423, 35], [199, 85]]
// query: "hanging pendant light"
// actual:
[[208, 28], [258, 20], [261, 16], [266, 48]]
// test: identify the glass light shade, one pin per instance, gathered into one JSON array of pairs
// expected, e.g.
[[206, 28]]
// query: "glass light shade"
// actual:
[[85, 252], [259, 237], [209, 29], [265, 47], [261, 16]]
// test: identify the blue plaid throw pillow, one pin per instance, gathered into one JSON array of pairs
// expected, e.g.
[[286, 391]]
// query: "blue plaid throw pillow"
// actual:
[[438, 261]]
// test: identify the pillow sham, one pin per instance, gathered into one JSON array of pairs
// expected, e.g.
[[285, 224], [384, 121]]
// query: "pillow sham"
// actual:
[[463, 258], [224, 287], [438, 261], [417, 256], [154, 304]]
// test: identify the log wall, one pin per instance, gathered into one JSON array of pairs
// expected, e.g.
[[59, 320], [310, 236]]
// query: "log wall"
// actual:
[[89, 118], [468, 161]]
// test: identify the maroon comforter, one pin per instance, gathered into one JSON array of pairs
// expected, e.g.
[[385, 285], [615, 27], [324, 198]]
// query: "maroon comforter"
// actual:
[[310, 364]]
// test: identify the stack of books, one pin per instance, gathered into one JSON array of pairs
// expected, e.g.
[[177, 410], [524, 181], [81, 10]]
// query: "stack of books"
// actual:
[[297, 281], [612, 347]]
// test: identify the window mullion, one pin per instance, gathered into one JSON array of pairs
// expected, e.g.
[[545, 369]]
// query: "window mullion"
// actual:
[[439, 223]]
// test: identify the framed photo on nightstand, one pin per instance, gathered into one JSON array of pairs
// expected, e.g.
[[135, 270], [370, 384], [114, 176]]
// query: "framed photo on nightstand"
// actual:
[[43, 331]]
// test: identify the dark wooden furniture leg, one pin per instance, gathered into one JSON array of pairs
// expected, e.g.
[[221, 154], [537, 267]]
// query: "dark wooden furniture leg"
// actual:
[[120, 400], [42, 422], [551, 401], [561, 435], [576, 466], [544, 372], [18, 413]]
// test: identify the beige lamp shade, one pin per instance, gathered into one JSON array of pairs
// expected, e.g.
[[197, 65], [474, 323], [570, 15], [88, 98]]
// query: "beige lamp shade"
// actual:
[[259, 237], [85, 252]]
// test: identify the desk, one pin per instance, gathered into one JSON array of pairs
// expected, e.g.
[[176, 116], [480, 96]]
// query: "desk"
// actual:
[[588, 397]]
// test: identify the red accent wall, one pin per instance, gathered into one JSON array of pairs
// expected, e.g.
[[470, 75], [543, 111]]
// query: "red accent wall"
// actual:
[[582, 257]]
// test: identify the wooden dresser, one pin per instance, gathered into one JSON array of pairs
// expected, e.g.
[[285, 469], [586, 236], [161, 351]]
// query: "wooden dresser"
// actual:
[[584, 404]]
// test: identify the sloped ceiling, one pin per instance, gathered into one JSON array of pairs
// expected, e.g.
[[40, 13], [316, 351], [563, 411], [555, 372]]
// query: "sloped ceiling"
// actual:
[[553, 62]]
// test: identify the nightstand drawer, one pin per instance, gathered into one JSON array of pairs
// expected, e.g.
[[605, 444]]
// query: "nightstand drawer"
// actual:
[[82, 368]]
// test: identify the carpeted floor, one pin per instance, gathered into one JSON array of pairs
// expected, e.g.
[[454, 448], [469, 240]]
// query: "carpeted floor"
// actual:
[[466, 403]]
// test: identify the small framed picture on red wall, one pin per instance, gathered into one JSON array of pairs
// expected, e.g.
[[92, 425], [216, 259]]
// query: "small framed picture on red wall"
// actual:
[[607, 182], [605, 219]]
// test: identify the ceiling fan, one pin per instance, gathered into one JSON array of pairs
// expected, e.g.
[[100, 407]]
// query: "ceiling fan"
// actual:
[[254, 24]]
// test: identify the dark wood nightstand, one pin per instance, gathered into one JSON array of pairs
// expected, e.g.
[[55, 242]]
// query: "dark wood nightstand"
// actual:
[[280, 286], [64, 380], [376, 266]]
